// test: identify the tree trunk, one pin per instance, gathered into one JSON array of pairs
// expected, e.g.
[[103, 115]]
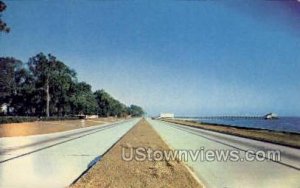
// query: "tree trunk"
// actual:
[[47, 98]]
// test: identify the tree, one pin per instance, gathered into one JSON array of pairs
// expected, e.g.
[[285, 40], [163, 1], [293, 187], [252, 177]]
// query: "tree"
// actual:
[[3, 25], [104, 100], [108, 106], [53, 77], [83, 101], [60, 89], [23, 101], [10, 78], [42, 67], [136, 111], [48, 86]]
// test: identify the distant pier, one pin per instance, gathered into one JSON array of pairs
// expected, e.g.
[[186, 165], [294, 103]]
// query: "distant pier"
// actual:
[[267, 116], [231, 117]]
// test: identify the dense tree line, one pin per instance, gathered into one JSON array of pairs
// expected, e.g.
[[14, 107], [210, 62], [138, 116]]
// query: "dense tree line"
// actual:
[[45, 86]]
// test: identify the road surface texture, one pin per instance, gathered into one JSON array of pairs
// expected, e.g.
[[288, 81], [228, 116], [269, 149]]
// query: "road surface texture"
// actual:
[[232, 174], [55, 160], [115, 171]]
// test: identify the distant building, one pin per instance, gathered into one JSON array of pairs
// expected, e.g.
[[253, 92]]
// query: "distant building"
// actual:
[[166, 115]]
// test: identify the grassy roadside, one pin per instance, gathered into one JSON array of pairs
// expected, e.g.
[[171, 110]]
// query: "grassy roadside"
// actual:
[[287, 139], [44, 127], [112, 171]]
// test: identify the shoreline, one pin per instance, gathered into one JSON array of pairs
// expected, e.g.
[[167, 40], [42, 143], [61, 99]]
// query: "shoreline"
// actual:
[[247, 128], [240, 125], [289, 139]]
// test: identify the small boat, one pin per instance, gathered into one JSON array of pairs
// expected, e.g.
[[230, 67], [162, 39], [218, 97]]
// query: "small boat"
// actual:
[[271, 116]]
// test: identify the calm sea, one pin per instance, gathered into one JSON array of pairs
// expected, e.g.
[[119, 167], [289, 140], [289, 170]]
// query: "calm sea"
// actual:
[[286, 124]]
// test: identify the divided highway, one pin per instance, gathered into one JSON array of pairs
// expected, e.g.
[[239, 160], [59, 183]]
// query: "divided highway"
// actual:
[[55, 160], [232, 174]]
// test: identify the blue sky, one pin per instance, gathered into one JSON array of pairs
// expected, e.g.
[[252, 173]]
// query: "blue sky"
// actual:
[[187, 57]]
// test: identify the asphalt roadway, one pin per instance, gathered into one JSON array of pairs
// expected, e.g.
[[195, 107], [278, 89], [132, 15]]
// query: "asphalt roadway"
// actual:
[[264, 171], [56, 160]]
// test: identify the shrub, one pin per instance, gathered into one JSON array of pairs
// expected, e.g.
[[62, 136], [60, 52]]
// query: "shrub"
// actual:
[[20, 119]]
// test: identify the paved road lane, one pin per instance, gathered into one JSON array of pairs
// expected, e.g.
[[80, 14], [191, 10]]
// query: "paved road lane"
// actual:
[[55, 160], [284, 173]]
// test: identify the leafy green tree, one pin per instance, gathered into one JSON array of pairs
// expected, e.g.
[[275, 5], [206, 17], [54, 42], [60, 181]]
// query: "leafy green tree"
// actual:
[[135, 110], [108, 106], [3, 25], [117, 109], [60, 89], [54, 78], [83, 101], [23, 101], [10, 78], [42, 68], [48, 86], [104, 101]]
